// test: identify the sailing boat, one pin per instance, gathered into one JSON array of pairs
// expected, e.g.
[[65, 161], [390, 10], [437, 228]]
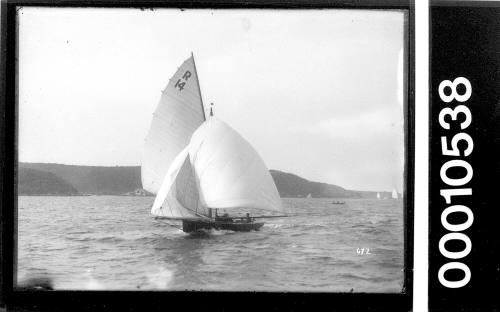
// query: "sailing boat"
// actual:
[[394, 194], [197, 165], [309, 195], [378, 195]]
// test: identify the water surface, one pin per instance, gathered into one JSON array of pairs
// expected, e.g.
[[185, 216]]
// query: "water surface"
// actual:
[[112, 242]]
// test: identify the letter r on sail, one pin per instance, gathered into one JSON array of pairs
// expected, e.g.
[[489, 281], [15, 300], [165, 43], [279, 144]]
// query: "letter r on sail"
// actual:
[[186, 76]]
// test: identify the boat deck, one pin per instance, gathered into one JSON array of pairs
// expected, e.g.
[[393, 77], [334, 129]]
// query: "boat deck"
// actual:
[[238, 225]]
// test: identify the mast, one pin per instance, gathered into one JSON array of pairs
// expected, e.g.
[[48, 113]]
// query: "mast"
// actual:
[[199, 89], [177, 115], [202, 108]]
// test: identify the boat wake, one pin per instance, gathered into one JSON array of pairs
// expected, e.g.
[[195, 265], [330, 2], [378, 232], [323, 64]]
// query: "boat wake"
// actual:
[[207, 233], [275, 225]]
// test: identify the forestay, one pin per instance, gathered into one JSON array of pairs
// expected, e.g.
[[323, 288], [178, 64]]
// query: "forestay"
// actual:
[[179, 113]]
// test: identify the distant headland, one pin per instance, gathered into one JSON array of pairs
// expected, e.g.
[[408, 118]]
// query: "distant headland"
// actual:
[[70, 180]]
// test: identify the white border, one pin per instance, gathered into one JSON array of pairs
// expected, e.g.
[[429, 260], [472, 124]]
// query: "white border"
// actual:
[[421, 192]]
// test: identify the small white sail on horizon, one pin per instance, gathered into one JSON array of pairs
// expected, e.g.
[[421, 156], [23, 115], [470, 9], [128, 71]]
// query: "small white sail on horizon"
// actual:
[[394, 194], [378, 195], [221, 170], [178, 114], [309, 195]]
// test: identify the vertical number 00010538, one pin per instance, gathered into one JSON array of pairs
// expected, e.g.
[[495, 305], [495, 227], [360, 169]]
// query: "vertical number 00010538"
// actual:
[[451, 195]]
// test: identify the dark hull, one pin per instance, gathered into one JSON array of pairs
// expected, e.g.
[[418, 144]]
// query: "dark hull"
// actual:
[[189, 226]]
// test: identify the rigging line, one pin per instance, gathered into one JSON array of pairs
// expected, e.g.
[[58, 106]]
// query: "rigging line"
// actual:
[[193, 211], [199, 214], [172, 225], [265, 217]]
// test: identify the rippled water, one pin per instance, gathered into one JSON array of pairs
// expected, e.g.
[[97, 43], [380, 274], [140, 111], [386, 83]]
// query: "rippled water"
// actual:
[[112, 242]]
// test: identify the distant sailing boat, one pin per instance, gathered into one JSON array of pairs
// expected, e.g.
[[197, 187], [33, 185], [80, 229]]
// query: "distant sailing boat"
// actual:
[[309, 195], [378, 195], [394, 194], [196, 165]]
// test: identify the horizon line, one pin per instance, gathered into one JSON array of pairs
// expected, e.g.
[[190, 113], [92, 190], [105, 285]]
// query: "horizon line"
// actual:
[[115, 166]]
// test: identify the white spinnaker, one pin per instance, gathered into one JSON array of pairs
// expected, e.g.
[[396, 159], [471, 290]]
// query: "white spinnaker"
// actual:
[[179, 113], [178, 196], [229, 172]]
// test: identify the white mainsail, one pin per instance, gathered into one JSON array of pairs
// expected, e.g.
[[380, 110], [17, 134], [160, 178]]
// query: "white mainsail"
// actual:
[[179, 113], [378, 195]]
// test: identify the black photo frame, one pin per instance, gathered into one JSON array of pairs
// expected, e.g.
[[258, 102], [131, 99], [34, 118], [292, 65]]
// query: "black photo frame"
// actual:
[[23, 299]]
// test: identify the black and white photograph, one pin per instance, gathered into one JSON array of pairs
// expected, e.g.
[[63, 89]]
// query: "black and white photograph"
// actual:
[[212, 149]]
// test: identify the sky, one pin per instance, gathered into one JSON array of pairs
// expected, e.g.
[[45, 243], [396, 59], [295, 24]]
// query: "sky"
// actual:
[[318, 93]]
